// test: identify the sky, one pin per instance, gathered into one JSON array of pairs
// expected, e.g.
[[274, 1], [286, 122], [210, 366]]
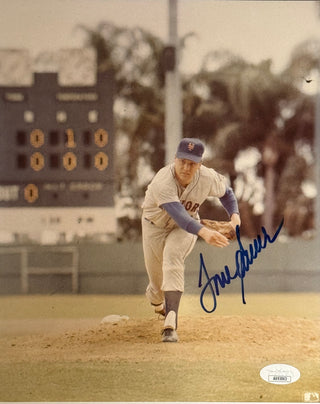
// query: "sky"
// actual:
[[255, 30]]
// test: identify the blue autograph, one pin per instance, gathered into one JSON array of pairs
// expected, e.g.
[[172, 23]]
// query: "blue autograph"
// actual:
[[243, 259]]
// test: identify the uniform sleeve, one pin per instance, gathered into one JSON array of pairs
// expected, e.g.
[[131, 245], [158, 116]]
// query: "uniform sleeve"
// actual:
[[178, 213], [229, 202]]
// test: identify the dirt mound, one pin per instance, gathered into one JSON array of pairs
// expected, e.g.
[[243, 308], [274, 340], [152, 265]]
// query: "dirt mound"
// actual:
[[224, 337]]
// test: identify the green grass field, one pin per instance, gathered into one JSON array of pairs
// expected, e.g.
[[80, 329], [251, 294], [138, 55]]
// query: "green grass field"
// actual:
[[305, 305]]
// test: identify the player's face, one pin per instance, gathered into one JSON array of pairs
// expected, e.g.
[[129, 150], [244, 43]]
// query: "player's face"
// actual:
[[185, 170]]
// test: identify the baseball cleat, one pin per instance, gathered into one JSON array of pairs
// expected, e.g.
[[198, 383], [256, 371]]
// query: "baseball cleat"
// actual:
[[170, 321], [159, 309], [169, 335]]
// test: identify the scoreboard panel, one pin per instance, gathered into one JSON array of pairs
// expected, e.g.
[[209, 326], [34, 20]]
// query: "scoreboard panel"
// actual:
[[56, 143]]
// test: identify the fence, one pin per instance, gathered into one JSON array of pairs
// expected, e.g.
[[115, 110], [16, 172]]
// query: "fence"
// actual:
[[119, 268], [36, 261]]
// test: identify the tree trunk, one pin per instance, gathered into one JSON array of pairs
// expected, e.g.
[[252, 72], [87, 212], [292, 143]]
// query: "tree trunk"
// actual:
[[270, 157], [269, 199]]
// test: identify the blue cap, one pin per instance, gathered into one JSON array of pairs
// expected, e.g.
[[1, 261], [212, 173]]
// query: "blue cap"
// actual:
[[190, 149]]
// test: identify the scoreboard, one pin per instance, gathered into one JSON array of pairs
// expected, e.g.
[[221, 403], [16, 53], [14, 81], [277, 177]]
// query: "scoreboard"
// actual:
[[56, 143]]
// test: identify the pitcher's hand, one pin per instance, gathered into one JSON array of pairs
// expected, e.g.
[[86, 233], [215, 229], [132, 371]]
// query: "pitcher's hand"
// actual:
[[213, 237]]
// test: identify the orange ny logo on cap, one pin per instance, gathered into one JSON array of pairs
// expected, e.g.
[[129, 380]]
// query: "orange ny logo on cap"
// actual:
[[190, 146]]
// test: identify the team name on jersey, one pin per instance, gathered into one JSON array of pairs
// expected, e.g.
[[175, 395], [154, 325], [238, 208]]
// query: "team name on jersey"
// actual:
[[190, 206]]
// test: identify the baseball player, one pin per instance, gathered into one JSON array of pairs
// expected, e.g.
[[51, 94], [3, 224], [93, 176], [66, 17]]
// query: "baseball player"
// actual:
[[171, 226]]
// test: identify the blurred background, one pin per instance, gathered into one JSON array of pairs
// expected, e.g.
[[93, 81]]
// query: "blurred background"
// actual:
[[95, 95]]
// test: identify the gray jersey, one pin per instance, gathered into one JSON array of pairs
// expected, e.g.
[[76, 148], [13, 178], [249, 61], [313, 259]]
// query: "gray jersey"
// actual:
[[165, 188]]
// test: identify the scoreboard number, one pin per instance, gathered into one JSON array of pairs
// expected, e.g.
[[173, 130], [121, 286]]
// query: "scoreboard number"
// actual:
[[37, 138], [70, 161], [101, 137], [70, 138], [31, 193], [101, 161], [37, 161]]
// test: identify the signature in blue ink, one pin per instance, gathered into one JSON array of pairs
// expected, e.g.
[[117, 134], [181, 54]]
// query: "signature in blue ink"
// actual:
[[243, 259]]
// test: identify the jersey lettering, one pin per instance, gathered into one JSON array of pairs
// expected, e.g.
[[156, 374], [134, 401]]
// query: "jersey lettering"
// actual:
[[189, 205], [195, 207]]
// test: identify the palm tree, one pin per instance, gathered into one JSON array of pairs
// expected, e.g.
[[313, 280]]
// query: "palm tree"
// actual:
[[233, 105], [243, 106], [302, 70]]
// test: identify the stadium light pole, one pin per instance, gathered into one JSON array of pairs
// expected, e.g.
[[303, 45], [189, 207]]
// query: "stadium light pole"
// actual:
[[173, 102]]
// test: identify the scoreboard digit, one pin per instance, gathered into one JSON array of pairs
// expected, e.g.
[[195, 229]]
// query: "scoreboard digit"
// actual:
[[70, 138]]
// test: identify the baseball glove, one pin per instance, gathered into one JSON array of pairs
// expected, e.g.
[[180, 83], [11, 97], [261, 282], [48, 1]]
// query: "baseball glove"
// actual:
[[222, 227]]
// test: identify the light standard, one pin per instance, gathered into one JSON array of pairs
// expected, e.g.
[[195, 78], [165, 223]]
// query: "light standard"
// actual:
[[173, 103]]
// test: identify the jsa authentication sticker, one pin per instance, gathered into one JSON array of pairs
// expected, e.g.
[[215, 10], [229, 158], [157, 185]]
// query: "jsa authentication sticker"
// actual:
[[280, 374]]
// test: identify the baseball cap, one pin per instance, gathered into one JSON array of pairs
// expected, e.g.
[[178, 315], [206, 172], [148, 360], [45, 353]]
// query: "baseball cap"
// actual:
[[190, 149]]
